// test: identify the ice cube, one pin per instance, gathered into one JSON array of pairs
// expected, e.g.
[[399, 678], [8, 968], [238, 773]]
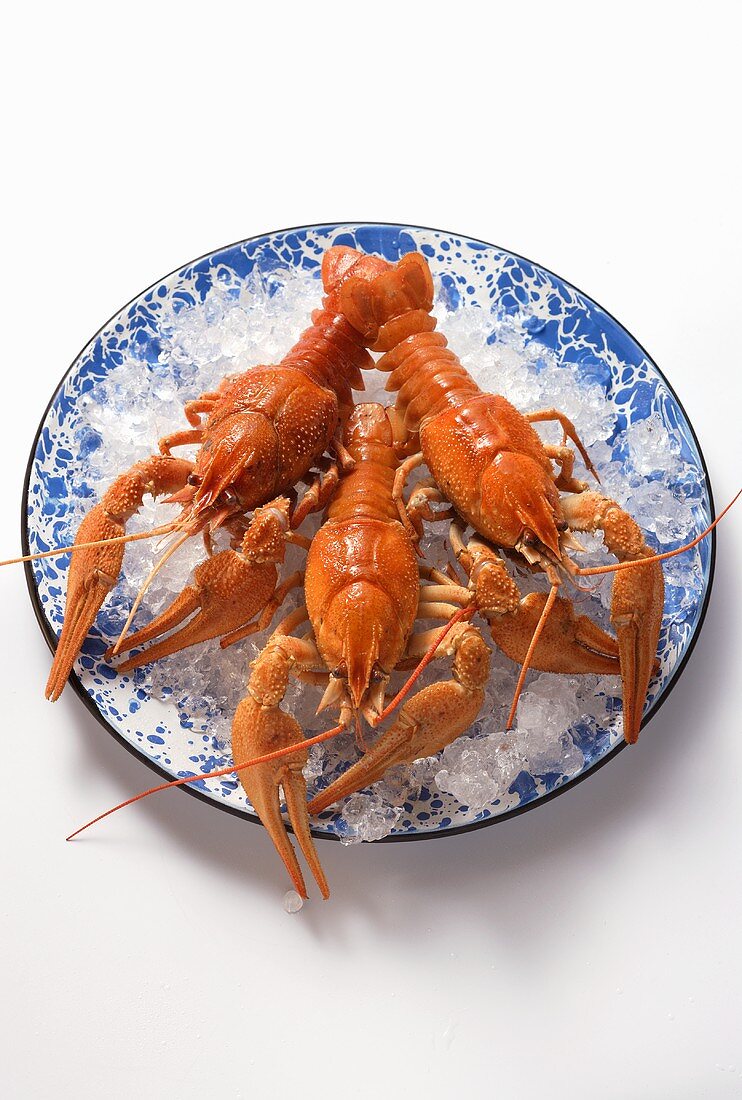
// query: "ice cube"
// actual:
[[651, 447], [292, 902]]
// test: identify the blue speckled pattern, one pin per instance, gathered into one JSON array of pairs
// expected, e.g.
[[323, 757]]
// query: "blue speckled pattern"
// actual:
[[561, 319]]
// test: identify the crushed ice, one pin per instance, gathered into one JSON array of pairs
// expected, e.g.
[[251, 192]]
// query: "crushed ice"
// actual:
[[561, 720]]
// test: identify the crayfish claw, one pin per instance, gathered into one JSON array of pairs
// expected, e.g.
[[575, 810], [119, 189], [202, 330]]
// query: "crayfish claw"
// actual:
[[636, 613], [427, 722], [82, 609], [569, 643], [390, 749], [227, 592], [636, 602], [92, 574], [94, 570], [259, 730]]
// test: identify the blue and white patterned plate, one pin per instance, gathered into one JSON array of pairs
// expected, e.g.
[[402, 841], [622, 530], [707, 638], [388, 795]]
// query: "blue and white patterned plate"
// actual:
[[556, 320]]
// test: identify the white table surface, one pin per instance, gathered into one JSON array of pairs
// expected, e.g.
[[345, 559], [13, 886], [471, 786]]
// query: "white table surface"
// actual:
[[590, 948]]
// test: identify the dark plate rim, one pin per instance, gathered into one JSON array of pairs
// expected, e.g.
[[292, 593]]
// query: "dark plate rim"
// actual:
[[74, 680]]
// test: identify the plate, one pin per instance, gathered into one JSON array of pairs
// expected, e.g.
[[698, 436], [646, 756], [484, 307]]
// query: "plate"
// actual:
[[555, 326]]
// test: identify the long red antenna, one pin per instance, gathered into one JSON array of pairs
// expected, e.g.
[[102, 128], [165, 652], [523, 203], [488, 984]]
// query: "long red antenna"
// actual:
[[145, 585], [288, 751], [529, 653], [164, 530], [658, 557], [464, 613]]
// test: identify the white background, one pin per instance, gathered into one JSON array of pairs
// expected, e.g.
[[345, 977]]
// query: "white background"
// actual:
[[590, 948]]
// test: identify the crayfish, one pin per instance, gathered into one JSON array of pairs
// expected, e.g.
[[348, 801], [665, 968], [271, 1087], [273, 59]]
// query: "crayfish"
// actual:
[[364, 585], [257, 436]]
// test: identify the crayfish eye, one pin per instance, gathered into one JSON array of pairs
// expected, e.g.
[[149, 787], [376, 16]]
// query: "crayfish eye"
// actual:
[[195, 479], [529, 539]]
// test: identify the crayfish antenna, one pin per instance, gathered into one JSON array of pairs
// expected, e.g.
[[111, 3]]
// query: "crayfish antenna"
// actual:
[[60, 550], [145, 585], [529, 653], [228, 770], [635, 562], [464, 613]]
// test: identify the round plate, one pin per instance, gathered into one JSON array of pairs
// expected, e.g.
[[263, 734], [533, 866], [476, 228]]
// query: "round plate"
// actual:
[[555, 318]]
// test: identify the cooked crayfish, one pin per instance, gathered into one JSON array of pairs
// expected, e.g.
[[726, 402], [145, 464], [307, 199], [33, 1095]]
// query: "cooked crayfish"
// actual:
[[258, 435], [487, 459]]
